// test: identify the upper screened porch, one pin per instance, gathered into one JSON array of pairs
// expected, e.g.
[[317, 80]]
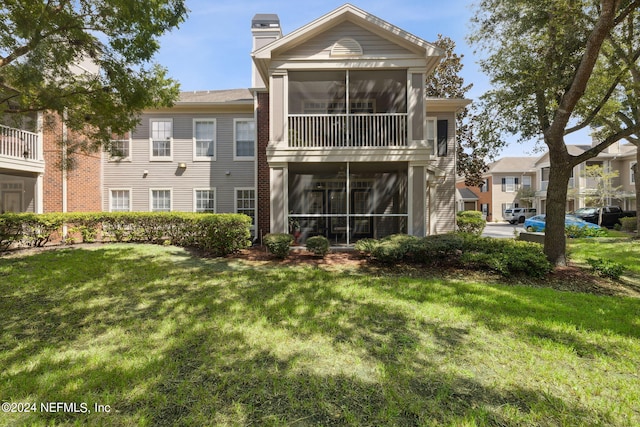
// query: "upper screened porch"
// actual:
[[347, 108]]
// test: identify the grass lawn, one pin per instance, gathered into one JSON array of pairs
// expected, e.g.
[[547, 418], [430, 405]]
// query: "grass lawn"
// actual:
[[166, 338], [619, 249]]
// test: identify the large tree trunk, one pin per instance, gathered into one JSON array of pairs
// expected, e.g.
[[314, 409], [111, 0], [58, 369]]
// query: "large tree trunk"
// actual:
[[554, 238]]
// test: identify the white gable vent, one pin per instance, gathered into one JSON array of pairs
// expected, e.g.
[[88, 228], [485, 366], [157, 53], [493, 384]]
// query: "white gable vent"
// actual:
[[346, 47]]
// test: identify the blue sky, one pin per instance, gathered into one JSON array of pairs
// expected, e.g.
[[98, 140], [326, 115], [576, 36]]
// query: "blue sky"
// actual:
[[211, 49]]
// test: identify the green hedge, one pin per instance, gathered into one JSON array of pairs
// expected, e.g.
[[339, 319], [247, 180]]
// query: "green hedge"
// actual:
[[214, 234], [470, 222], [505, 256]]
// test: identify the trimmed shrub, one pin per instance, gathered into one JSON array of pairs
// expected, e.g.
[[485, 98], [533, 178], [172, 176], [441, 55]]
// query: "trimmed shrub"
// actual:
[[606, 268], [470, 222], [278, 244], [318, 245], [394, 248], [366, 245], [504, 256], [629, 224], [575, 232], [213, 234]]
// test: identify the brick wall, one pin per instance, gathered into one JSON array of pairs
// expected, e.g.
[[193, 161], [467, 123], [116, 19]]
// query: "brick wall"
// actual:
[[264, 211], [52, 179], [83, 178]]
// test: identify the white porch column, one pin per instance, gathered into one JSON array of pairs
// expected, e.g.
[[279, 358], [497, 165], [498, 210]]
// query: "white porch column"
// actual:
[[279, 188], [39, 208], [417, 199]]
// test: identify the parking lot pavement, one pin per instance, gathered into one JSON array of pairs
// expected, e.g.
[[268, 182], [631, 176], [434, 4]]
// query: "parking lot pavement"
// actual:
[[501, 230]]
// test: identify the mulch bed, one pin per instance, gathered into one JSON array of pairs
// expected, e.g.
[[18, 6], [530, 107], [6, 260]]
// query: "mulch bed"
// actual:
[[571, 278]]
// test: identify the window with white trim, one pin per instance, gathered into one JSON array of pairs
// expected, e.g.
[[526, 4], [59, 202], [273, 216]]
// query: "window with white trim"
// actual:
[[432, 123], [120, 200], [120, 150], [246, 202], [161, 138], [244, 139], [510, 184], [160, 200], [484, 187], [204, 200], [204, 139]]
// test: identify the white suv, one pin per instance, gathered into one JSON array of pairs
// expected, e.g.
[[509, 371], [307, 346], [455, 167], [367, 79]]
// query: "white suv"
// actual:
[[518, 215]]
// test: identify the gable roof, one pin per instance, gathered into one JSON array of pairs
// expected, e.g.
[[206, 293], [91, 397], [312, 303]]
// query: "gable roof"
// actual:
[[512, 164], [346, 12], [466, 194], [228, 96]]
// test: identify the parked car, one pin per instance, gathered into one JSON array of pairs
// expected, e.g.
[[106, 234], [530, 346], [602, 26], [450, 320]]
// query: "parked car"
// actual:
[[518, 215], [537, 223], [610, 215]]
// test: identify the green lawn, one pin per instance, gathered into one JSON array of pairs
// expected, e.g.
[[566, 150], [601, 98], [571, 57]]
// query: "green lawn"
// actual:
[[165, 338], [619, 249]]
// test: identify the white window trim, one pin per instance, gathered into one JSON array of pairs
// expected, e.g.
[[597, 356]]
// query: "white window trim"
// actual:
[[215, 198], [255, 202], [111, 190], [243, 158], [431, 123], [129, 158], [151, 190], [215, 141], [153, 158]]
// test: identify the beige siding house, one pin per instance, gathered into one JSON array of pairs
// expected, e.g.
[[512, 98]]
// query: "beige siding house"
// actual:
[[619, 157], [198, 156], [335, 138], [354, 148]]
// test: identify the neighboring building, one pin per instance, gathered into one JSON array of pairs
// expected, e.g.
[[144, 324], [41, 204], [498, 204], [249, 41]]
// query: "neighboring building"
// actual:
[[508, 176], [336, 137], [618, 157], [505, 182]]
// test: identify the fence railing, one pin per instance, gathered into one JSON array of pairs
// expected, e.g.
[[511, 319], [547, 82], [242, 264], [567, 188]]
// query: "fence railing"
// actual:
[[18, 143], [347, 130]]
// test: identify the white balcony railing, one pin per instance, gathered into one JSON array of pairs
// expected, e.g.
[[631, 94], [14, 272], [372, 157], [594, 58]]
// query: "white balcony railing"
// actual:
[[18, 143], [347, 130]]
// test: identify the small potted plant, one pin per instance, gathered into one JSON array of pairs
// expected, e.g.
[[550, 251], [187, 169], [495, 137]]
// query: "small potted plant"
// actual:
[[294, 229]]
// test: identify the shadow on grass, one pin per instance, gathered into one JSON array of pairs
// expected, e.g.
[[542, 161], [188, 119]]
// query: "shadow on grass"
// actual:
[[166, 339]]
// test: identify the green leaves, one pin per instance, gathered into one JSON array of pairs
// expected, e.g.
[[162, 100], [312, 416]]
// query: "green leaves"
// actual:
[[89, 60]]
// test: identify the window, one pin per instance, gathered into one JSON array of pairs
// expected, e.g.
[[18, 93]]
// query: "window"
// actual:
[[510, 184], [120, 150], [204, 200], [246, 202], [161, 138], [160, 200], [431, 133], [204, 139], [244, 132], [442, 137], [526, 182], [634, 169], [120, 200], [484, 187]]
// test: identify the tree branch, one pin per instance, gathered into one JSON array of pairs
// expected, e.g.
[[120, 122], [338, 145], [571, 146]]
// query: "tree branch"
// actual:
[[594, 151], [581, 77]]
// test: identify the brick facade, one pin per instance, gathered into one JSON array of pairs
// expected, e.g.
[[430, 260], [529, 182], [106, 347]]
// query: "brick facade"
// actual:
[[263, 190], [83, 178]]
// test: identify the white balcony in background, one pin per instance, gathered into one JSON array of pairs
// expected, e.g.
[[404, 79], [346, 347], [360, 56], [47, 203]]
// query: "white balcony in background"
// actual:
[[20, 150]]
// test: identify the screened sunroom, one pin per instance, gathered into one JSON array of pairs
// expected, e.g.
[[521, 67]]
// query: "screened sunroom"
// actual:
[[347, 108], [347, 201]]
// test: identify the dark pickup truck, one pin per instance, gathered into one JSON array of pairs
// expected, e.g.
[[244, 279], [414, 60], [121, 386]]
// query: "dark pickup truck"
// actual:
[[610, 215]]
